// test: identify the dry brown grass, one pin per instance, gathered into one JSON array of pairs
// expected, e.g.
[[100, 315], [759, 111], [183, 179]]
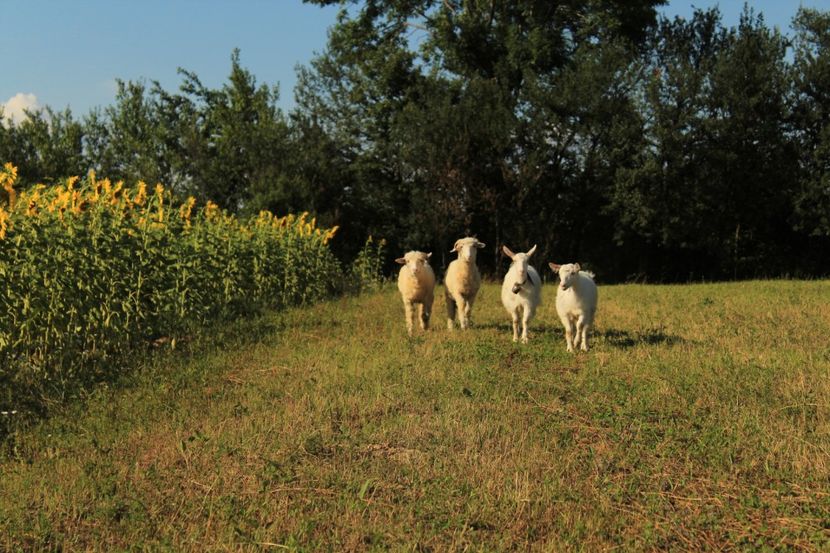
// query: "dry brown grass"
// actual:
[[699, 421]]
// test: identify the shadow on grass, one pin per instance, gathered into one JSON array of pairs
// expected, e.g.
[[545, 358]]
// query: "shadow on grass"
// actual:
[[624, 339], [507, 326], [29, 397], [616, 338]]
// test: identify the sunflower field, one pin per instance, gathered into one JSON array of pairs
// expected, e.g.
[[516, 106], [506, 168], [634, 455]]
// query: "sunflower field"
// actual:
[[92, 270]]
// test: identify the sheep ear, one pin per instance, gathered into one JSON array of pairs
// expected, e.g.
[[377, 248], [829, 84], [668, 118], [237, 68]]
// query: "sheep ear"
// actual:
[[577, 268], [507, 252], [479, 245], [401, 260], [455, 246], [429, 255], [555, 267], [531, 250]]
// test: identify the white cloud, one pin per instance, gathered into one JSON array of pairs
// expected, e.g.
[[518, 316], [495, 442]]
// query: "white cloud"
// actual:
[[13, 108]]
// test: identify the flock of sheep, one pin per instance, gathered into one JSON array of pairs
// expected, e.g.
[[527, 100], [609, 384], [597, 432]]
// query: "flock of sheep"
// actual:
[[576, 297]]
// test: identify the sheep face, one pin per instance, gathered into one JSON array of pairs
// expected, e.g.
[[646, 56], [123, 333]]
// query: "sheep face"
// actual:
[[520, 263], [567, 274], [415, 262], [466, 248]]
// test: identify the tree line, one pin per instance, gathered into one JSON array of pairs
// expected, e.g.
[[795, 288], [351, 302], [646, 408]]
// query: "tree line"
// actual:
[[645, 147]]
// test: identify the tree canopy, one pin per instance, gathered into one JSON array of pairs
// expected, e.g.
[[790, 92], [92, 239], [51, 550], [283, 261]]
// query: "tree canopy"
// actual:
[[645, 147]]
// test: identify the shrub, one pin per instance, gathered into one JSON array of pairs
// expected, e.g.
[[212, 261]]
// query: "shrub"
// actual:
[[367, 267]]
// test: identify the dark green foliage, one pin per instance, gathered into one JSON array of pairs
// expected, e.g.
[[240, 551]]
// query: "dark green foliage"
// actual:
[[47, 145], [811, 115], [232, 143], [650, 148], [714, 185], [126, 141], [472, 111]]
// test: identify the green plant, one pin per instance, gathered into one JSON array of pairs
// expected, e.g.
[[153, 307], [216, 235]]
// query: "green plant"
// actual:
[[367, 267], [92, 271]]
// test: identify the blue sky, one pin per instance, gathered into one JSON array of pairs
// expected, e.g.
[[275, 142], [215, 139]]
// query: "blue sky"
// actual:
[[69, 53]]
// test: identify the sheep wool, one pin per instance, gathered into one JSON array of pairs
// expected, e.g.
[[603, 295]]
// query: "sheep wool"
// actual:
[[576, 303], [416, 283], [462, 282], [521, 291]]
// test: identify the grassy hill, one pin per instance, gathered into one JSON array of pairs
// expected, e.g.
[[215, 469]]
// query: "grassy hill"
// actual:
[[700, 420]]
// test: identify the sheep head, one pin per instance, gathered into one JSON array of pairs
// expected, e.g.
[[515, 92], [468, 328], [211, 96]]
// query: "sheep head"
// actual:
[[567, 273], [520, 264], [466, 248], [415, 261]]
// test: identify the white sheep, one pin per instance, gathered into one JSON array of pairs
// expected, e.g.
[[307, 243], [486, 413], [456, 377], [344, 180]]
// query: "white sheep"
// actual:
[[462, 282], [576, 303], [521, 291], [416, 282]]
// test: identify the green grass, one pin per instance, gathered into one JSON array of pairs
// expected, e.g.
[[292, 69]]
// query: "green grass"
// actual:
[[700, 420]]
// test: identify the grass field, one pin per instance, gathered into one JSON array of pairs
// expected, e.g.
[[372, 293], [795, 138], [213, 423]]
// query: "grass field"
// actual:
[[700, 420]]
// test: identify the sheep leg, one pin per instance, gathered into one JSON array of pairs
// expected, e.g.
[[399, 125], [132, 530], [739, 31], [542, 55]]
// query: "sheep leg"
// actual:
[[580, 321], [424, 316], [409, 310], [463, 310], [586, 326], [528, 314], [516, 325], [426, 311], [569, 332], [467, 314], [451, 310]]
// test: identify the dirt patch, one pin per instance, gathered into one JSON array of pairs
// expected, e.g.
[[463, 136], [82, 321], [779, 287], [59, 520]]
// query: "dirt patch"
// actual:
[[403, 455]]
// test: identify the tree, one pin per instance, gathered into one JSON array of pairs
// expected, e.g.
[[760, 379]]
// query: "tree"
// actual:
[[439, 127], [125, 142], [348, 101], [228, 145], [47, 145], [812, 121], [710, 191], [751, 158]]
